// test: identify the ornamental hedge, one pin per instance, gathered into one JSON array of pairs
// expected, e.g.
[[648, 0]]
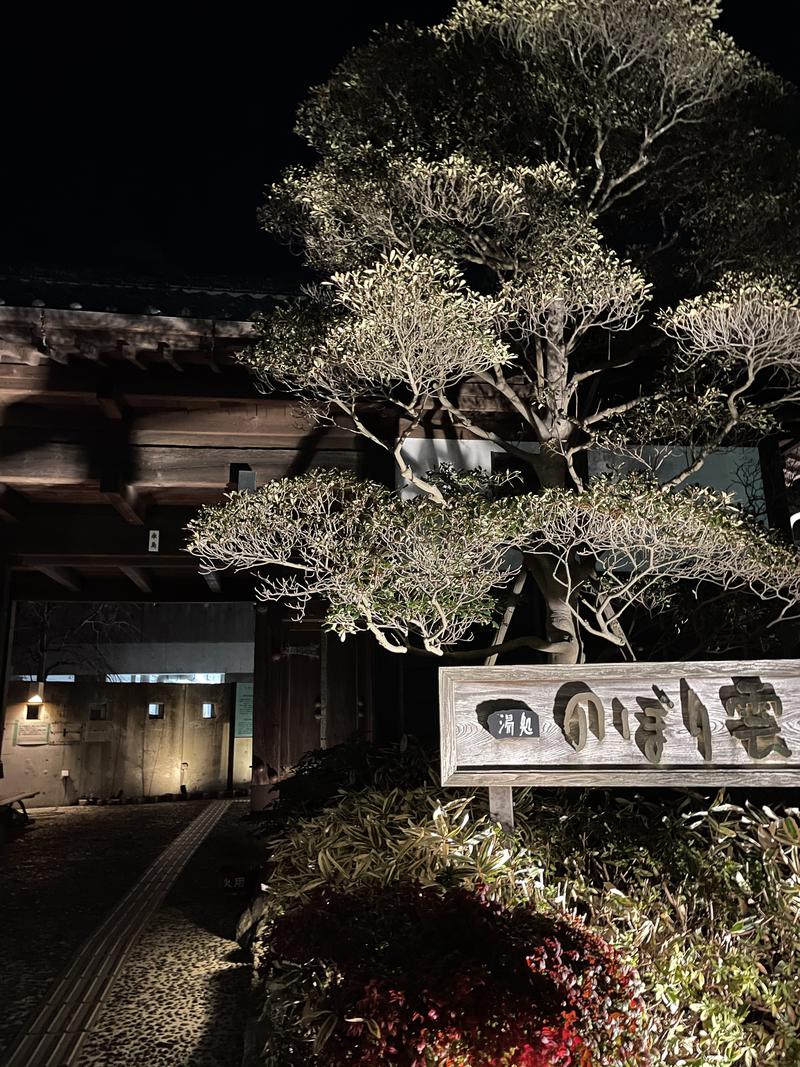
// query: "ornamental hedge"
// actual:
[[697, 896]]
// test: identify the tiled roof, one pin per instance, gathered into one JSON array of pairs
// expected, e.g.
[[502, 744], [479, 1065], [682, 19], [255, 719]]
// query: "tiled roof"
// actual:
[[197, 300]]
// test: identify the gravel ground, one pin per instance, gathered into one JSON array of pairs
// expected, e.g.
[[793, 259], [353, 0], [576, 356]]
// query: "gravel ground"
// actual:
[[61, 878], [182, 997]]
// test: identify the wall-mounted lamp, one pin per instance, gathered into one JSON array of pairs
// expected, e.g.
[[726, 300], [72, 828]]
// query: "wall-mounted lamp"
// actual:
[[35, 702]]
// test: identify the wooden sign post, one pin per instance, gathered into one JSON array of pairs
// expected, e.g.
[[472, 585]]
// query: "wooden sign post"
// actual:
[[627, 724]]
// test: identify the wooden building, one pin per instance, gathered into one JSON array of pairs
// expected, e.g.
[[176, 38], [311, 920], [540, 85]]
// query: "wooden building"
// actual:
[[123, 409]]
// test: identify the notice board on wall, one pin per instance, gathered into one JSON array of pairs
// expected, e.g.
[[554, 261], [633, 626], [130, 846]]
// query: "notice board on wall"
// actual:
[[35, 732], [243, 716], [631, 724]]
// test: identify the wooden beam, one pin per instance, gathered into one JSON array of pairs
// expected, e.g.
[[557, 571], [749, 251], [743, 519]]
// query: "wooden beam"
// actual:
[[25, 351], [64, 561], [157, 387], [208, 423], [95, 530], [68, 323], [116, 588], [63, 576], [13, 506], [52, 463], [138, 577], [126, 502]]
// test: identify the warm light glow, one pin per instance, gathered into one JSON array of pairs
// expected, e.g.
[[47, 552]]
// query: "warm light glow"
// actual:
[[35, 698]]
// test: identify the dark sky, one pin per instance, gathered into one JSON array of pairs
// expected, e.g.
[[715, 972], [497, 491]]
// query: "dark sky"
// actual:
[[139, 148]]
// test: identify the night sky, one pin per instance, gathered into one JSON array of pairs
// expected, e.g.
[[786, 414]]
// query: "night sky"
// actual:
[[137, 149]]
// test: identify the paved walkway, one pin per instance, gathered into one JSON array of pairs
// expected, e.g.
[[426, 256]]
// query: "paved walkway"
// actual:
[[147, 985], [183, 996], [59, 880]]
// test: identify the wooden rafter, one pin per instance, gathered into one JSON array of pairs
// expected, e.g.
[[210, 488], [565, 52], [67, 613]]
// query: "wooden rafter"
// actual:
[[125, 500], [63, 576], [13, 506], [139, 578]]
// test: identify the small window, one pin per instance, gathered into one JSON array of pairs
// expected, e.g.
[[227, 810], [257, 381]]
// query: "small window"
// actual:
[[98, 712], [32, 711], [174, 679], [208, 711], [50, 678], [155, 711]]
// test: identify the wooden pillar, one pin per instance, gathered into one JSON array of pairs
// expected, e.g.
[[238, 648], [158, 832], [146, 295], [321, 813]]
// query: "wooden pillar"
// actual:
[[773, 478], [6, 636], [501, 806], [267, 704]]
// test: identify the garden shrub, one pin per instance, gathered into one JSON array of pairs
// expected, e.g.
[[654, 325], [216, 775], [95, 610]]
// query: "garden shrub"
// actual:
[[415, 976], [320, 774], [700, 895]]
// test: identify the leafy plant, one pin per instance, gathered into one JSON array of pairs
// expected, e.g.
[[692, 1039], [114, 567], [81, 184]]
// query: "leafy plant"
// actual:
[[417, 976], [700, 895]]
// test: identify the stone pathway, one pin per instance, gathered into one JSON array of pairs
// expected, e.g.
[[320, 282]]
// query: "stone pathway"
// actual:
[[182, 998], [54, 1036], [179, 1001], [60, 880], [160, 983]]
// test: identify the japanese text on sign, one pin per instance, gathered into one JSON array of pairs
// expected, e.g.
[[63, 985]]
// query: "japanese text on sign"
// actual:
[[706, 719]]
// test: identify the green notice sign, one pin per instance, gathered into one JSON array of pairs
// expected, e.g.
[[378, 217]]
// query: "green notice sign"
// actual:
[[243, 719]]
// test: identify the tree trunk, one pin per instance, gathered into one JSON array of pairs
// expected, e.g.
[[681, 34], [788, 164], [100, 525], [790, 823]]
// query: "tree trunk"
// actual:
[[549, 574]]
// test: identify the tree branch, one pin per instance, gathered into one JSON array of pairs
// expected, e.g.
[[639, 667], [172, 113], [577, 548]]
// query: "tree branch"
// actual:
[[539, 644]]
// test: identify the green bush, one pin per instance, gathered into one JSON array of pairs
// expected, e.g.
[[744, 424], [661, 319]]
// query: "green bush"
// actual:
[[702, 898]]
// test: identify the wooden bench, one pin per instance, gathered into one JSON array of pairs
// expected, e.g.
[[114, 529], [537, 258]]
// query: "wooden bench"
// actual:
[[9, 818]]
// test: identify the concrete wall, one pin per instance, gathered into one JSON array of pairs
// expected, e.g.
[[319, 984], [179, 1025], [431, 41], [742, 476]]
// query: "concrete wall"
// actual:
[[156, 639], [129, 751]]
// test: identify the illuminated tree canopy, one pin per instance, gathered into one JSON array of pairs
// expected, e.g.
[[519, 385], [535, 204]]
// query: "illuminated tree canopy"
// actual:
[[540, 197]]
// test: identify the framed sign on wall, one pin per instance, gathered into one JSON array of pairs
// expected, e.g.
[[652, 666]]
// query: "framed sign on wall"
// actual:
[[627, 724]]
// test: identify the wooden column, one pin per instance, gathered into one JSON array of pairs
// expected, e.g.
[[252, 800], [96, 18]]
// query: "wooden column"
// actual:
[[501, 798], [773, 477], [6, 635], [267, 704]]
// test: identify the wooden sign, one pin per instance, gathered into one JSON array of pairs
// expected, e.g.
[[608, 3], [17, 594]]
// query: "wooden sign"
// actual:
[[631, 724], [65, 733]]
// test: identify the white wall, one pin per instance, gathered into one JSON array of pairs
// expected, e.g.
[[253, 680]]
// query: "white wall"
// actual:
[[726, 470]]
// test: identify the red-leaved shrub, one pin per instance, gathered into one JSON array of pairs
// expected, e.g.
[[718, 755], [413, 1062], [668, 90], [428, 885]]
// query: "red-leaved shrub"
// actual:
[[447, 977]]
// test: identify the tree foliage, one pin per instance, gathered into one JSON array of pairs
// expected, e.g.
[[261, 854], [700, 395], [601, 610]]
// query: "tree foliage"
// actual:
[[667, 127], [426, 574], [512, 200]]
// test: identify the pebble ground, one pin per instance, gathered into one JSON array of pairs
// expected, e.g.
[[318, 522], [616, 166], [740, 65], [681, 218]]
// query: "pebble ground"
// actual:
[[182, 996]]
